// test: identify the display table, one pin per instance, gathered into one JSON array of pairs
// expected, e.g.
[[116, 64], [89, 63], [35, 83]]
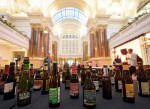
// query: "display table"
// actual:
[[41, 101]]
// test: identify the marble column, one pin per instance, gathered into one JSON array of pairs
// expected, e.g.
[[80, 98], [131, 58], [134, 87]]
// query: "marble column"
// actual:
[[54, 50], [30, 52], [99, 42], [92, 47], [106, 42]]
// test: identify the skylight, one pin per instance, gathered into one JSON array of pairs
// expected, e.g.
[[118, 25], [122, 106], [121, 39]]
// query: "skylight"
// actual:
[[69, 13]]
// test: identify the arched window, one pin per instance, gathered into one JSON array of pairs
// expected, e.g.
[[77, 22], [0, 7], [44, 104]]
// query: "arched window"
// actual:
[[70, 44], [69, 13]]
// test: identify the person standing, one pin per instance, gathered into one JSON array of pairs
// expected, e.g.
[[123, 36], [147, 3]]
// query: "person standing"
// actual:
[[117, 60], [133, 61], [49, 61]]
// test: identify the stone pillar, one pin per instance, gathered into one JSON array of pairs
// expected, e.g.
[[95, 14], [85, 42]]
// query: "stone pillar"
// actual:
[[30, 52], [106, 42], [85, 51], [45, 43], [92, 47], [99, 42], [54, 50]]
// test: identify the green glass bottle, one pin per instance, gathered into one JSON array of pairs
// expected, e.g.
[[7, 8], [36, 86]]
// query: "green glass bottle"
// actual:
[[24, 88], [54, 90]]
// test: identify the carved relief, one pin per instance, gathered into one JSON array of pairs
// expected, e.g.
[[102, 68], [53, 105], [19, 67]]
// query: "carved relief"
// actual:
[[22, 6]]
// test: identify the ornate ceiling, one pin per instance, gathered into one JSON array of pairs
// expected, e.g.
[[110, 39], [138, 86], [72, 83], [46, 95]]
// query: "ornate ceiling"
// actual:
[[91, 8]]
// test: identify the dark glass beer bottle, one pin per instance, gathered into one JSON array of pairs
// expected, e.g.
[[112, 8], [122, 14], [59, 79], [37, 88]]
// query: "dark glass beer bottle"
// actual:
[[63, 74], [100, 77], [83, 75], [54, 92], [67, 79], [3, 80], [106, 83], [37, 81], [24, 88], [95, 79], [118, 80], [111, 75], [148, 77], [10, 84], [127, 85], [89, 92], [142, 82], [45, 80], [41, 71], [74, 83], [31, 73]]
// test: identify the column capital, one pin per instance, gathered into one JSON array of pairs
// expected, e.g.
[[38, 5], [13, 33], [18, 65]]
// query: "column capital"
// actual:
[[36, 25], [92, 30]]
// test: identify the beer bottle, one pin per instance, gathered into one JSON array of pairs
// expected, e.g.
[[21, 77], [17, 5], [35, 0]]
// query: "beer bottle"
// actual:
[[41, 71], [24, 88], [111, 75], [63, 74], [100, 77], [106, 83], [83, 75], [37, 81], [31, 73], [127, 85], [3, 80], [89, 92], [74, 83], [10, 84], [54, 92], [95, 79], [148, 77], [118, 80], [67, 79], [142, 82], [58, 76], [45, 80]]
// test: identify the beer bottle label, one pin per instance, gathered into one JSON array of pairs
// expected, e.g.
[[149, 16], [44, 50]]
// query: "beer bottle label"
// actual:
[[37, 84], [67, 83], [119, 84], [125, 67], [74, 89], [53, 95], [145, 88], [58, 94], [129, 90], [8, 87], [24, 96], [45, 67], [112, 80], [90, 97], [96, 83]]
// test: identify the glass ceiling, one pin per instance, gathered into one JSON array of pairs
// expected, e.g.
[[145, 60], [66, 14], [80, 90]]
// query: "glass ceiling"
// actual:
[[69, 13]]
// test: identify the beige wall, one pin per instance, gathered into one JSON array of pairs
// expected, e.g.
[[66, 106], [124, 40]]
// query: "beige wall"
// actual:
[[6, 53]]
